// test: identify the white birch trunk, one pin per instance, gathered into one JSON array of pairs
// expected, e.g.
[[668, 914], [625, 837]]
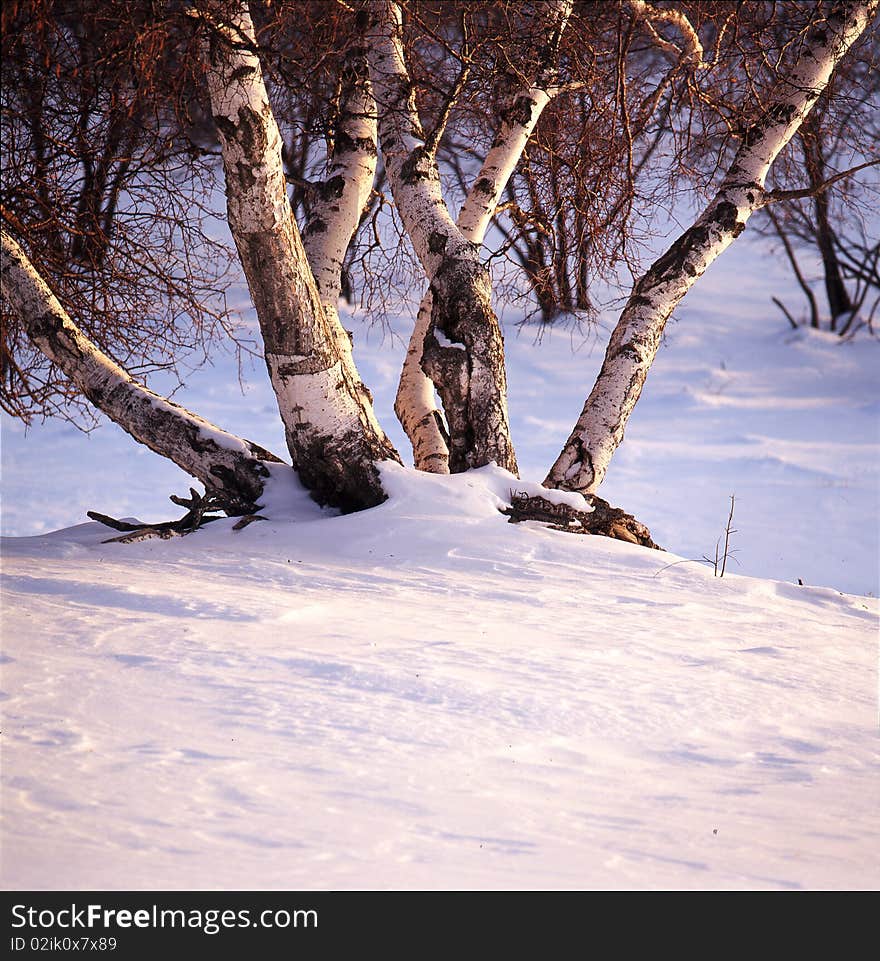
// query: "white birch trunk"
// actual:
[[468, 367], [414, 405], [351, 172], [583, 462], [227, 465], [332, 433]]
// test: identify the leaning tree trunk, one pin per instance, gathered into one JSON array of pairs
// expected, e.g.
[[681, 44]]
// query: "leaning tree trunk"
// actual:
[[464, 346], [332, 433], [415, 406], [230, 467], [582, 464]]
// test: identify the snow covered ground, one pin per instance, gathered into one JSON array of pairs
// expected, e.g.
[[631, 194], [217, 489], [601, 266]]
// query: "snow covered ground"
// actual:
[[426, 696]]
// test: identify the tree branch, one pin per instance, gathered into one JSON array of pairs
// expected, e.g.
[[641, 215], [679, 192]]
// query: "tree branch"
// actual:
[[691, 52], [777, 196], [432, 141]]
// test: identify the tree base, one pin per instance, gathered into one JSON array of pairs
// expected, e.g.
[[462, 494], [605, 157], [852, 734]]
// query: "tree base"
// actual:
[[604, 519]]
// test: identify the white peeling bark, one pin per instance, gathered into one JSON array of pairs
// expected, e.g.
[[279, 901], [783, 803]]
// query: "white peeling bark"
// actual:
[[466, 361], [351, 170], [342, 196], [415, 406], [584, 459], [332, 432], [234, 468]]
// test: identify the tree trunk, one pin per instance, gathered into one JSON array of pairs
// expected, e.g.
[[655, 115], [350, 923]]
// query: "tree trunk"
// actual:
[[584, 459], [233, 468], [462, 347], [415, 405], [332, 433], [838, 297], [342, 197]]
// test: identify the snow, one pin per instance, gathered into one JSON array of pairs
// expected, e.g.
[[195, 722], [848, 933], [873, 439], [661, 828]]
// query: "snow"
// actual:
[[426, 696]]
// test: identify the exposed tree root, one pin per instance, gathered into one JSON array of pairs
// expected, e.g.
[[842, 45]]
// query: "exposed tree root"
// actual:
[[198, 508], [603, 519]]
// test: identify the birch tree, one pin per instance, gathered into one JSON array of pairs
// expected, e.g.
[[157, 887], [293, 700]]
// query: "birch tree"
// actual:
[[829, 217], [82, 127], [462, 349], [332, 433], [427, 362], [333, 436], [585, 457], [233, 468]]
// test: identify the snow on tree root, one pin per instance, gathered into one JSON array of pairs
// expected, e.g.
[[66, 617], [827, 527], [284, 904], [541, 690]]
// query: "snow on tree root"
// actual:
[[603, 519]]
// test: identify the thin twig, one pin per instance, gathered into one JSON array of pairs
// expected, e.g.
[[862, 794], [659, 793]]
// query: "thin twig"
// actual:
[[727, 532]]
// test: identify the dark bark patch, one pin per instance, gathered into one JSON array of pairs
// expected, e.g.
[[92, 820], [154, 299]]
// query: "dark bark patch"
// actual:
[[315, 226], [225, 126], [251, 132], [238, 488], [245, 173], [48, 325], [783, 112], [629, 350], [485, 185], [243, 71], [332, 189], [416, 167], [520, 111], [674, 262], [310, 364], [437, 242], [725, 215], [194, 438], [344, 143], [342, 472]]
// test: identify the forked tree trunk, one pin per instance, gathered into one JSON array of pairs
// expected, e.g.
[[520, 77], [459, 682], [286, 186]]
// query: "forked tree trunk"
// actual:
[[464, 346], [415, 406], [332, 433], [582, 464], [227, 465]]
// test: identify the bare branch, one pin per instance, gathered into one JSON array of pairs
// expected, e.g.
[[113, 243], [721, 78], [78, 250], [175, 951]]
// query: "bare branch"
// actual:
[[776, 196], [691, 52], [432, 141]]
